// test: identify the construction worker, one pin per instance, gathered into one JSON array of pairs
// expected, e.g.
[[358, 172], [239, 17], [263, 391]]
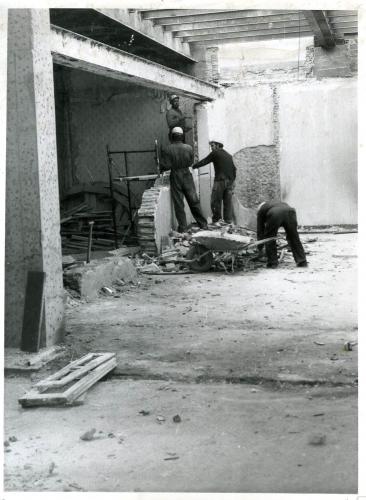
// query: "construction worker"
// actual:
[[224, 183], [177, 157], [175, 117], [271, 216]]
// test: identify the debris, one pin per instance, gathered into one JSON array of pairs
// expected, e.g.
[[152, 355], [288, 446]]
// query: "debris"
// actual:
[[81, 374], [253, 390], [150, 268], [160, 419], [171, 458], [88, 435], [111, 435], [6, 443], [177, 419], [51, 468], [107, 291], [318, 343], [334, 357], [12, 439], [318, 414], [144, 412], [348, 346], [76, 486], [317, 439]]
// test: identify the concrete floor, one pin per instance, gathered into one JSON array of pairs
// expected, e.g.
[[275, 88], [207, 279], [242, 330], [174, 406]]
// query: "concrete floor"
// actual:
[[253, 363]]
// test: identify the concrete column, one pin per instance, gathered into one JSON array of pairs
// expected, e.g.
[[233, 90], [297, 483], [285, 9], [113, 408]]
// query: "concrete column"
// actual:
[[205, 173], [32, 239]]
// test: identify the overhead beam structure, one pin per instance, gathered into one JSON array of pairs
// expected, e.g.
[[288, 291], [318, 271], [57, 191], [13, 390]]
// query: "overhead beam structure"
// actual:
[[223, 23], [323, 35], [219, 16], [77, 51], [261, 28], [251, 35]]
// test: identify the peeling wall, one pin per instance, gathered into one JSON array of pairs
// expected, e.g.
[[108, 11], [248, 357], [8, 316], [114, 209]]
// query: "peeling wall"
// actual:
[[288, 136]]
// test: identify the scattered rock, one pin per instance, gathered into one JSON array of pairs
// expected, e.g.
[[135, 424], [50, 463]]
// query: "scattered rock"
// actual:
[[111, 435], [88, 435], [177, 419], [12, 439], [160, 419], [144, 412], [107, 291], [51, 468], [6, 443], [317, 439]]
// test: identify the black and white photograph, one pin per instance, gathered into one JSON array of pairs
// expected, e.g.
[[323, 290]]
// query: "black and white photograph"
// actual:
[[179, 248]]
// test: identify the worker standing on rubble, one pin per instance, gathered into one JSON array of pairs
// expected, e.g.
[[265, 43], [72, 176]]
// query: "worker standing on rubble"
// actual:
[[270, 217], [175, 117], [177, 157], [224, 183]]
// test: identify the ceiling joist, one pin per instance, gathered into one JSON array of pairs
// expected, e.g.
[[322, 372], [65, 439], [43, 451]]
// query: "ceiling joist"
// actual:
[[323, 35]]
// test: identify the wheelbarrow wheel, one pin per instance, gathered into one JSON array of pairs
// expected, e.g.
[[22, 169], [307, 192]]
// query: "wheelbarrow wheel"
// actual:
[[203, 258]]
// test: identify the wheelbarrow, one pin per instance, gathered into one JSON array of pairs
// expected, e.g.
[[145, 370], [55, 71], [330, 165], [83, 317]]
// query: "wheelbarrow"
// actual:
[[228, 251]]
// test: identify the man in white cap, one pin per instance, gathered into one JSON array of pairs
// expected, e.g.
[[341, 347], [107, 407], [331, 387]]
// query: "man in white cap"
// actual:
[[271, 215], [225, 175], [175, 116], [177, 157]]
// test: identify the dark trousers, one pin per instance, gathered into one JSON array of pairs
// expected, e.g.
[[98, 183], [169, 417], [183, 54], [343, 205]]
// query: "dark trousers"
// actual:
[[222, 194], [287, 219], [182, 186]]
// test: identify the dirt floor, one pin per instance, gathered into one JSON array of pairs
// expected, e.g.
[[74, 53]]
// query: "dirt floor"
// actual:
[[253, 363]]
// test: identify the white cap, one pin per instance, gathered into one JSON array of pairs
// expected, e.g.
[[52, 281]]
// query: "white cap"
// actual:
[[172, 97], [177, 130], [260, 206], [217, 142]]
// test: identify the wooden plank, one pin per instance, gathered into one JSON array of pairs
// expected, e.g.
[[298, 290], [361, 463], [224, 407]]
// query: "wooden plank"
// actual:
[[33, 311], [36, 398], [75, 374], [66, 369], [83, 385]]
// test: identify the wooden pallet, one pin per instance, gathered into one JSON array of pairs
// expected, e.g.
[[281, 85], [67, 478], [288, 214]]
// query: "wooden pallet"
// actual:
[[66, 385]]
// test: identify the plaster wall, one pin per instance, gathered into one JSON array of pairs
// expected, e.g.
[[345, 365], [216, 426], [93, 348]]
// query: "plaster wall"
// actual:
[[242, 117], [318, 161], [32, 209]]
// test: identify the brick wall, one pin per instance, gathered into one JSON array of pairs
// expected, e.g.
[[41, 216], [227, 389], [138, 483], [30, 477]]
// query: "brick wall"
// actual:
[[257, 175]]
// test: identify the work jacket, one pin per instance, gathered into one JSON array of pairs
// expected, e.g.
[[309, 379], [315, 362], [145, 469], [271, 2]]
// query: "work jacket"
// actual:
[[276, 211], [175, 118], [223, 164], [177, 156]]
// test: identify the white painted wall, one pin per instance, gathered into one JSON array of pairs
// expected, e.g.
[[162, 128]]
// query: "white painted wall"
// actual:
[[318, 160], [242, 117]]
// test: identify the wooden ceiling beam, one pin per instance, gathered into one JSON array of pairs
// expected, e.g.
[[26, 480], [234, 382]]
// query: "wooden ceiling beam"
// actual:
[[244, 33], [234, 22], [242, 28], [219, 16], [254, 38], [323, 35]]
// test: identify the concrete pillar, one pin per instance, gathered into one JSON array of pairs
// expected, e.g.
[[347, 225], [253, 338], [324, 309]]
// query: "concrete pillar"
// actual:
[[205, 173], [32, 239], [207, 65]]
